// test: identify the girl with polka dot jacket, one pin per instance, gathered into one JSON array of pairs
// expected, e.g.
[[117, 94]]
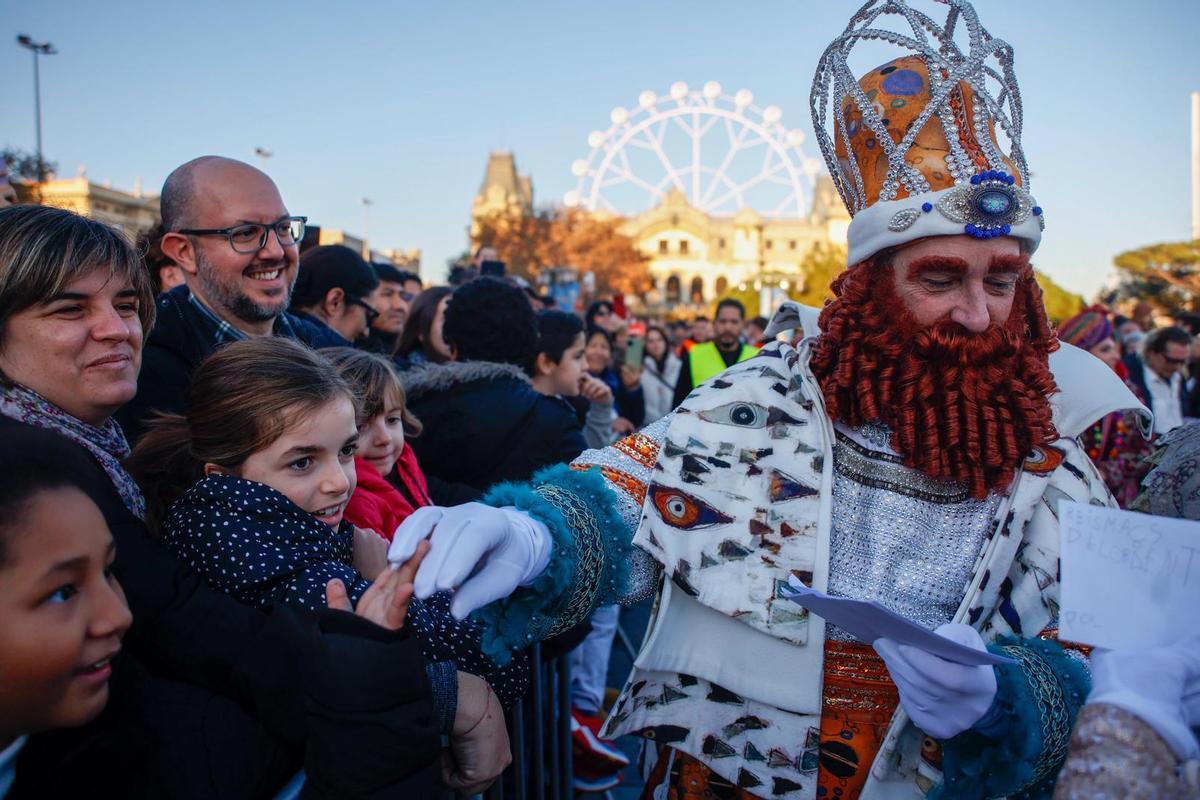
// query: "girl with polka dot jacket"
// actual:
[[251, 486]]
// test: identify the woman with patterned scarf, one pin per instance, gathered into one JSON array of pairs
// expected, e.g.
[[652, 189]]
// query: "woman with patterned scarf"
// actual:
[[1115, 443]]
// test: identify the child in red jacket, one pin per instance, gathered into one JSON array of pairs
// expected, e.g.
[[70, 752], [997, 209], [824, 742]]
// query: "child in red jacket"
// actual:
[[390, 482]]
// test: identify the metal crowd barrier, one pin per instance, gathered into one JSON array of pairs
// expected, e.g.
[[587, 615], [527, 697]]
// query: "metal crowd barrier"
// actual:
[[539, 733], [539, 729]]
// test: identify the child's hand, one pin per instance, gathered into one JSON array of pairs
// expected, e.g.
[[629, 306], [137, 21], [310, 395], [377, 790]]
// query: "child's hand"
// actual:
[[386, 602], [595, 390], [370, 553]]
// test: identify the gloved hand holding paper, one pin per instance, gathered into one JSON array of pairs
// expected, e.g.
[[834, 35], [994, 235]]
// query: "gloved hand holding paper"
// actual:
[[867, 621]]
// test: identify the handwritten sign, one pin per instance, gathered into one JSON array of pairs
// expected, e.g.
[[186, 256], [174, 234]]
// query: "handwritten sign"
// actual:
[[1128, 580]]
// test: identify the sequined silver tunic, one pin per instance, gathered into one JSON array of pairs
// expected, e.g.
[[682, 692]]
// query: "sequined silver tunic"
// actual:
[[1114, 754], [900, 537]]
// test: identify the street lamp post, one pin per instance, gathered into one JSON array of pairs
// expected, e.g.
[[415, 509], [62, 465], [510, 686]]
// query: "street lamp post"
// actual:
[[764, 292], [38, 49], [366, 204], [263, 154]]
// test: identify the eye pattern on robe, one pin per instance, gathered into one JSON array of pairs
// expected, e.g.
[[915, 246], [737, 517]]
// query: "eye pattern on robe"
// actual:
[[1043, 460], [744, 414], [784, 487], [664, 734], [681, 510]]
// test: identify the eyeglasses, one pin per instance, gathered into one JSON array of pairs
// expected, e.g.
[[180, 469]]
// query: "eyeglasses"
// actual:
[[252, 237], [372, 314], [1175, 362]]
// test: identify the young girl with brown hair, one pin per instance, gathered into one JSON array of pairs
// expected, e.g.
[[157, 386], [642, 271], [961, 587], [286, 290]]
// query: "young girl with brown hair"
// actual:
[[390, 482], [251, 487]]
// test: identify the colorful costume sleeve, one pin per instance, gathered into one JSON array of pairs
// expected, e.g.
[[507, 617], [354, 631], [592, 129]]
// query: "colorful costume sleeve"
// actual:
[[1114, 753], [1018, 747], [592, 508]]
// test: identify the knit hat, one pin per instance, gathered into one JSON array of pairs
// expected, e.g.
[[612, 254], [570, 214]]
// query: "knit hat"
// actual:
[[1086, 329]]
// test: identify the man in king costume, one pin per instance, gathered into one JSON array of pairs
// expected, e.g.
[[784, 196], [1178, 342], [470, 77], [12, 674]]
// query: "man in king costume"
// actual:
[[910, 447]]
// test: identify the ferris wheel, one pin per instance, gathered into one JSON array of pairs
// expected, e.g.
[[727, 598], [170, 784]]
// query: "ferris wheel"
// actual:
[[722, 152]]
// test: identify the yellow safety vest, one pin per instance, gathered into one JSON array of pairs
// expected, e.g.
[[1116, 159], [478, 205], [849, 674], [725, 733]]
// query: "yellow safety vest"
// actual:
[[707, 362]]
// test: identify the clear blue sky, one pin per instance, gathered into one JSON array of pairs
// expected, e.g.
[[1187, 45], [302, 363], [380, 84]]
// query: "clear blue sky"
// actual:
[[402, 101]]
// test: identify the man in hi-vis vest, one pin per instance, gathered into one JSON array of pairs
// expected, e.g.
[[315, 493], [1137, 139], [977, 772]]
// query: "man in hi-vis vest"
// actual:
[[710, 359]]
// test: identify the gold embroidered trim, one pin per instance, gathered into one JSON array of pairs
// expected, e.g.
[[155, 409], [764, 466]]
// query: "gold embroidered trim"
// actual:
[[621, 480], [1056, 718], [640, 448], [589, 548], [857, 679]]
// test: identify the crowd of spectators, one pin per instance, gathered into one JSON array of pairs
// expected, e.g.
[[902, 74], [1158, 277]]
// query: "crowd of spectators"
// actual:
[[1160, 366]]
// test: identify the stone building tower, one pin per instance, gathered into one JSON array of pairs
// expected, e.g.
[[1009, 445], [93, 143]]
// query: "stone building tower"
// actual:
[[503, 191]]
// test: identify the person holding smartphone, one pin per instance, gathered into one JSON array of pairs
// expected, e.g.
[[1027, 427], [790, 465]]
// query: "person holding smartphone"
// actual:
[[626, 386], [660, 373]]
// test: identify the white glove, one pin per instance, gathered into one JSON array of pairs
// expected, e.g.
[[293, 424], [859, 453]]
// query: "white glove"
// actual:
[[1159, 684], [941, 697], [479, 552], [1191, 702]]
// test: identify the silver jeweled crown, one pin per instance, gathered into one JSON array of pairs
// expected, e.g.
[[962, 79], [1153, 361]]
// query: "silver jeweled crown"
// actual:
[[1000, 202]]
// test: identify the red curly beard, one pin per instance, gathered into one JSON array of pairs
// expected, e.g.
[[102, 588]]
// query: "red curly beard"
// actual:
[[961, 406]]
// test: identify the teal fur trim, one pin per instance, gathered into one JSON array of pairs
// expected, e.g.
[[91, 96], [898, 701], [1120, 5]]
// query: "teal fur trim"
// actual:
[[1037, 701], [589, 566]]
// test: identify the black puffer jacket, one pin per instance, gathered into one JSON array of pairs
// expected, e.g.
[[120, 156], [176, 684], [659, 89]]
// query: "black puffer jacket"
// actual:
[[484, 423]]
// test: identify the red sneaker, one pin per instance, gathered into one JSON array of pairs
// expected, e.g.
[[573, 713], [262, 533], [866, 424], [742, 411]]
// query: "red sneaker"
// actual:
[[591, 752], [586, 781]]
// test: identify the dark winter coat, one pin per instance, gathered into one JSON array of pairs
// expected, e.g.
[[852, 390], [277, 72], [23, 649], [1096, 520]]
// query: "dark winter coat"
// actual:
[[212, 698], [377, 341], [484, 423], [184, 335]]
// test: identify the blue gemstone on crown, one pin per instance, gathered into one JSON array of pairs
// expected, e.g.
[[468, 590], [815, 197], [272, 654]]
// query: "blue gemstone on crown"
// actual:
[[994, 202], [989, 206]]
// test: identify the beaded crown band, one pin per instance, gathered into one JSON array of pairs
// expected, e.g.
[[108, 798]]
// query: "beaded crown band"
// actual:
[[913, 150]]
